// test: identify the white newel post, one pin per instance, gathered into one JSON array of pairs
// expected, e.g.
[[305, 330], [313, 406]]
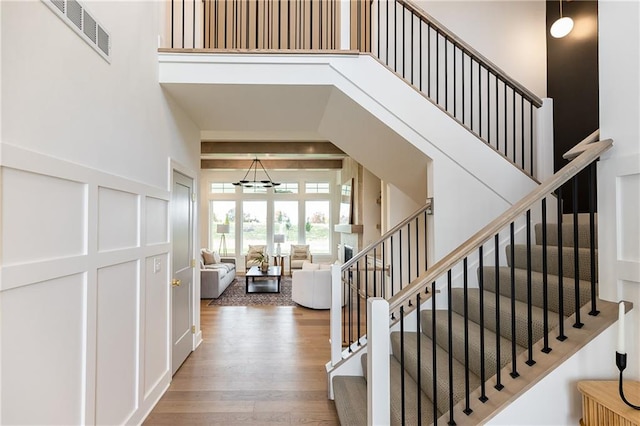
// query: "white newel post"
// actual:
[[544, 141], [345, 24], [335, 320], [378, 374]]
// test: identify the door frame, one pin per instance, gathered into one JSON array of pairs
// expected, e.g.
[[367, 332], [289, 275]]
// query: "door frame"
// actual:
[[196, 338]]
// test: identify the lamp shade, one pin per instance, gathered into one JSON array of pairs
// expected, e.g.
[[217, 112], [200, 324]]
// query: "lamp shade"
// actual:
[[278, 238], [222, 228], [561, 27]]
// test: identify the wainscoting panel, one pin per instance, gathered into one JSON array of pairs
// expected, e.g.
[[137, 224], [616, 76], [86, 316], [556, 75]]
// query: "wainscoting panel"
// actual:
[[48, 219], [157, 219], [118, 219], [629, 217], [85, 306], [156, 320], [43, 344], [117, 343]]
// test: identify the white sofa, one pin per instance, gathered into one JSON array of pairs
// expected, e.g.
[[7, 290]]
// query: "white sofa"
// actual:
[[215, 276], [311, 286]]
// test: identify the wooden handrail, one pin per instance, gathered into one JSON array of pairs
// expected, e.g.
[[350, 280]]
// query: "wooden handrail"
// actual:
[[589, 154], [465, 47], [362, 253]]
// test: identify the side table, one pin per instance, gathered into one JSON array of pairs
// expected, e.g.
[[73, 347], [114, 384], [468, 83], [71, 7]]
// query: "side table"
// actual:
[[601, 403], [278, 260]]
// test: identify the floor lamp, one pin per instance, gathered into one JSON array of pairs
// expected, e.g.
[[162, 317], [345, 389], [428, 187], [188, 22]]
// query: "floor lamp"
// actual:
[[222, 229]]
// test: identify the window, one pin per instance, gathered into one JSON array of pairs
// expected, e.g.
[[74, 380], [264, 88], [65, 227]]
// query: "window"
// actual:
[[254, 223], [254, 190], [286, 188], [316, 187], [222, 188], [222, 213], [316, 226], [285, 221]]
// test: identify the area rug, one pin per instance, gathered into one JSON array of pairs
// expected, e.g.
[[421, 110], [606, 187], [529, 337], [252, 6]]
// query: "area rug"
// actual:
[[235, 295]]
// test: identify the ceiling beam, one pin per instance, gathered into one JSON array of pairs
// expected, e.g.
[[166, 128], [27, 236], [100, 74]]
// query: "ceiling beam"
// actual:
[[271, 164], [269, 148]]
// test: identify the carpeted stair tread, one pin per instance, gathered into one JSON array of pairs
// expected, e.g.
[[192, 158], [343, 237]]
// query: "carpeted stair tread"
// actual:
[[520, 275], [584, 239], [411, 407], [584, 260], [427, 376], [350, 395], [522, 321], [458, 341]]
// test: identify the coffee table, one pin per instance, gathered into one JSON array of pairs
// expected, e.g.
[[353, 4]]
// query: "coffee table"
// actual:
[[264, 284]]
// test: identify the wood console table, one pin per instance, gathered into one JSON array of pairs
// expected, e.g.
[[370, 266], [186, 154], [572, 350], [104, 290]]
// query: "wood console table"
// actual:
[[602, 406]]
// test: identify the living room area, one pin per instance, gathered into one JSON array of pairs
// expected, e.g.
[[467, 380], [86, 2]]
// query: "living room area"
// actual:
[[301, 203]]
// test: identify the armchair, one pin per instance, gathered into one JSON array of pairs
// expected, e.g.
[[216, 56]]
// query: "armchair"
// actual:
[[253, 255], [299, 254]]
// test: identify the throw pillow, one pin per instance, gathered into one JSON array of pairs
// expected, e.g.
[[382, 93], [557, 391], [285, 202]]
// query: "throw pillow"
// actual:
[[208, 258], [216, 257]]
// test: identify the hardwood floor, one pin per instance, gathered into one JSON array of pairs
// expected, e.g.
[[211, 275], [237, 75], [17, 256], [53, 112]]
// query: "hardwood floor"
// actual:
[[258, 365]]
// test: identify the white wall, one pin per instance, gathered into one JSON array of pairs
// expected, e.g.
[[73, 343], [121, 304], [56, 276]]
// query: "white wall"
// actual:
[[619, 168], [511, 34], [85, 156]]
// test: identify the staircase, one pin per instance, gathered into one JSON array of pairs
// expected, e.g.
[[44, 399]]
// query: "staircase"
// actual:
[[500, 334]]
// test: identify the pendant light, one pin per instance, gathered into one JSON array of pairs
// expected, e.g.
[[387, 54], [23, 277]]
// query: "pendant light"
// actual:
[[562, 26]]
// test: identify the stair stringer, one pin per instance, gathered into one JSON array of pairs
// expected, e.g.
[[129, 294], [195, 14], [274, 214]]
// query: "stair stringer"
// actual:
[[379, 120], [565, 363]]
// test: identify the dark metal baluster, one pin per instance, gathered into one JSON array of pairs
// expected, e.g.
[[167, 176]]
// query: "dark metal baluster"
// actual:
[[193, 36], [408, 252], [375, 273], [512, 247], [576, 251], [531, 137], [417, 247], [450, 347], [391, 267], [411, 54], [172, 19], [467, 407], [434, 361], [483, 378], [204, 23], [522, 127], [358, 304], [420, 53], [426, 243], [418, 361], [506, 145], [499, 385], [545, 297], [513, 103], [404, 64], [400, 259], [471, 92], [455, 82], [279, 24], [530, 360], [488, 108], [437, 67], [446, 74], [592, 236], [395, 36], [288, 24], [497, 115], [428, 60], [402, 384], [183, 28], [561, 335], [247, 9]]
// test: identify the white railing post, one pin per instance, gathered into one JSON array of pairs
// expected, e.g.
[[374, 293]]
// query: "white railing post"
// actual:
[[544, 141], [335, 320], [378, 373], [345, 24]]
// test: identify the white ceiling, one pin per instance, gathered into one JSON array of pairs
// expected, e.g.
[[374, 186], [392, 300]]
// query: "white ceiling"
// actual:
[[304, 113]]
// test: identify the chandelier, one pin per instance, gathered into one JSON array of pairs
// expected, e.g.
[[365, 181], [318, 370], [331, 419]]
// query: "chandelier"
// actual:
[[265, 183]]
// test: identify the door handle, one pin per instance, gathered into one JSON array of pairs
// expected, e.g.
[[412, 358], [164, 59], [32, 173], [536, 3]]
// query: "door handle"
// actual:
[[175, 282]]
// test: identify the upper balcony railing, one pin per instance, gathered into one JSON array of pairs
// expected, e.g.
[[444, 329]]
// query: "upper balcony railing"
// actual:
[[429, 57]]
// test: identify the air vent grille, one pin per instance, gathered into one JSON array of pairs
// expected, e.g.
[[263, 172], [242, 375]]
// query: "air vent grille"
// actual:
[[103, 40], [74, 12], [59, 4], [89, 26], [78, 18]]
